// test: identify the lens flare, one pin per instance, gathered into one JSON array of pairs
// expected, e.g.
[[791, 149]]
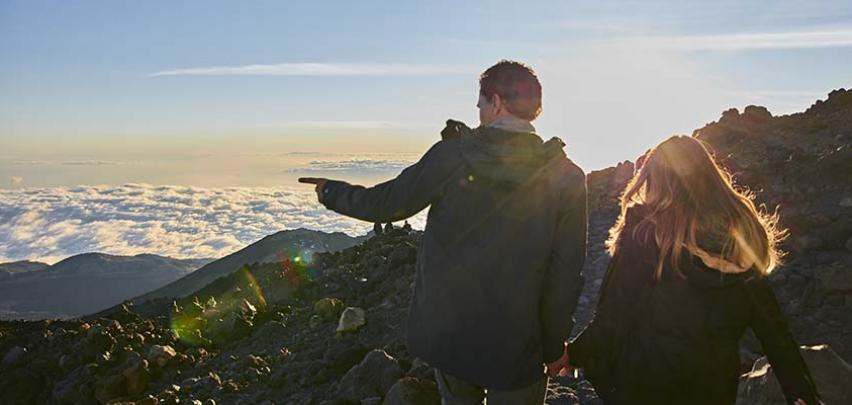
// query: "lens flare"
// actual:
[[294, 266], [205, 318], [232, 302]]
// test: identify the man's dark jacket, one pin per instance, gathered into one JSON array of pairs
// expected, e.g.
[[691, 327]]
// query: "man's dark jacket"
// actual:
[[498, 271]]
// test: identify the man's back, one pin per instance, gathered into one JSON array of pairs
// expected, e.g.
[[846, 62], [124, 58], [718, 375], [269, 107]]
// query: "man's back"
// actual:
[[486, 255], [498, 271]]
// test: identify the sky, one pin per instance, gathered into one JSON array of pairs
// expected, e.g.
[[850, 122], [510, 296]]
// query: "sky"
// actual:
[[213, 95]]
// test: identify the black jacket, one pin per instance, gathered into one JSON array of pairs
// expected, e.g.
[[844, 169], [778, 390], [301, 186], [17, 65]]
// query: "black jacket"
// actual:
[[675, 341], [498, 272]]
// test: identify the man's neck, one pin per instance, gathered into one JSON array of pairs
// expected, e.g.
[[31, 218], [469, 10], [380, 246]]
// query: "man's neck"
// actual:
[[512, 123]]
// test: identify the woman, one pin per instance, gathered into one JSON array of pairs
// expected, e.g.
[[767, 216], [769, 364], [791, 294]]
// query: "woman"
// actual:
[[687, 277]]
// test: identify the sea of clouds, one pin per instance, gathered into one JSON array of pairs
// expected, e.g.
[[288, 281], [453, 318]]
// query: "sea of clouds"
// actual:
[[51, 223]]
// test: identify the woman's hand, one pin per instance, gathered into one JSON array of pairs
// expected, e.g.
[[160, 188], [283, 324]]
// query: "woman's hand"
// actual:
[[560, 366], [800, 401]]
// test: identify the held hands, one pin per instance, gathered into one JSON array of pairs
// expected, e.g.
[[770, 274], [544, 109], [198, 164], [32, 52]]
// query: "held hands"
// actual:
[[559, 367], [318, 181]]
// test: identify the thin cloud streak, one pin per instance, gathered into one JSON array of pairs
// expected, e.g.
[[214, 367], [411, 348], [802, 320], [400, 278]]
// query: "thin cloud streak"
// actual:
[[747, 41], [773, 94], [354, 166], [315, 69], [364, 124]]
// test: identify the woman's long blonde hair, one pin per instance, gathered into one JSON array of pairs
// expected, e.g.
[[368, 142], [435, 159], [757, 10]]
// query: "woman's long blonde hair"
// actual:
[[687, 196]]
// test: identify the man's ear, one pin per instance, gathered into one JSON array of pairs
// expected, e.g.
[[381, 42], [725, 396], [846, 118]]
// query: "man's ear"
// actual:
[[497, 102]]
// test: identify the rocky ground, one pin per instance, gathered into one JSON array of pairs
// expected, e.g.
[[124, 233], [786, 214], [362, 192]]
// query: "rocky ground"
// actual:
[[329, 329]]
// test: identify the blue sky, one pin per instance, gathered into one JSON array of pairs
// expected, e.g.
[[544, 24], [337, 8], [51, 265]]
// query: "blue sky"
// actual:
[[179, 127], [164, 92]]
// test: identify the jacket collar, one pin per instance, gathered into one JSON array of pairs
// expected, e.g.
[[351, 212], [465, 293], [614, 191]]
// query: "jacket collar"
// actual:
[[513, 124]]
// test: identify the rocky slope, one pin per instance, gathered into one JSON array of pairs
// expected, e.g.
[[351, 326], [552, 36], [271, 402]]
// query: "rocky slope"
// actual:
[[272, 248], [84, 283], [802, 164], [330, 330]]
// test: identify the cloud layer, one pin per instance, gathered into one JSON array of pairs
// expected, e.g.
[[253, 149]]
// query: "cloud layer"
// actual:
[[50, 224]]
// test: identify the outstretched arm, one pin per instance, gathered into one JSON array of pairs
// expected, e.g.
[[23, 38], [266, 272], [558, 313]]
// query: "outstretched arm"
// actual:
[[402, 197], [628, 277], [770, 326]]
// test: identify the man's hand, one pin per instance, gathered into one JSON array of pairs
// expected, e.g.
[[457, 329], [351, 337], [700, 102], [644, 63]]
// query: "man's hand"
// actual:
[[558, 367], [318, 181]]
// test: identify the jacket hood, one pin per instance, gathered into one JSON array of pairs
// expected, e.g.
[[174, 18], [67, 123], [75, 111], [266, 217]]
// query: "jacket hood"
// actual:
[[691, 266], [699, 274], [508, 156]]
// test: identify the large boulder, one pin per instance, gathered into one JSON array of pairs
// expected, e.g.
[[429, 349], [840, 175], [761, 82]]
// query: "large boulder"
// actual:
[[328, 308], [14, 356], [832, 375], [67, 390], [351, 320], [160, 355], [373, 377], [413, 391], [136, 374], [343, 354]]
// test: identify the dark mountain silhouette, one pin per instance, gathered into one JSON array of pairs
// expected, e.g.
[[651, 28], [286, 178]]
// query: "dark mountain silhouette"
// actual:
[[329, 331], [85, 283], [22, 266]]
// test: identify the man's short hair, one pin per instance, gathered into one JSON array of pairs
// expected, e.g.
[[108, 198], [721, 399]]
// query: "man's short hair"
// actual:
[[517, 85]]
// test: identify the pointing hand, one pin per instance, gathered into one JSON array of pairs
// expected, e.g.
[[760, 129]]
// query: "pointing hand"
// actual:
[[318, 181]]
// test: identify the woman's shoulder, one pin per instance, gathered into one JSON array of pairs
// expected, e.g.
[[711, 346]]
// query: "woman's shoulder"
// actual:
[[636, 235], [637, 212], [635, 215]]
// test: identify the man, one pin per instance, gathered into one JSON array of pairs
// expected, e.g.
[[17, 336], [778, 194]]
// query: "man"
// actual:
[[498, 271]]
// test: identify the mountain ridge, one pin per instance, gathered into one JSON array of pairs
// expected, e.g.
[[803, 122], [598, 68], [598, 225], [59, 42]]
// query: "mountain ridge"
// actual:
[[22, 266], [267, 249], [85, 282]]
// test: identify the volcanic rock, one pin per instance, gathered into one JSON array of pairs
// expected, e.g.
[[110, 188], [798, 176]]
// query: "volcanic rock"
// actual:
[[328, 308], [413, 391], [351, 320], [831, 374], [137, 374], [160, 355], [374, 376], [14, 356]]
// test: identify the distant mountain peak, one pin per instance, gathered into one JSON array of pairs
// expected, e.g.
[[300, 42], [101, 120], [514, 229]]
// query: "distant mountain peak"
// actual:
[[85, 283], [267, 249], [22, 266]]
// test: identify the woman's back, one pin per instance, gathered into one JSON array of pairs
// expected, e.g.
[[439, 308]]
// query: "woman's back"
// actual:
[[675, 339], [690, 255], [687, 334]]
